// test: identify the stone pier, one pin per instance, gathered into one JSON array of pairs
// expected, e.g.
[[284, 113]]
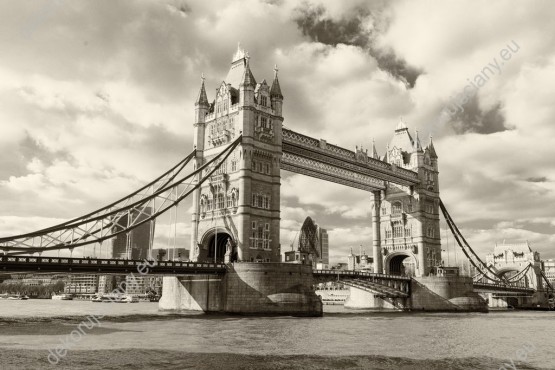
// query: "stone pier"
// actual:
[[429, 293], [246, 288]]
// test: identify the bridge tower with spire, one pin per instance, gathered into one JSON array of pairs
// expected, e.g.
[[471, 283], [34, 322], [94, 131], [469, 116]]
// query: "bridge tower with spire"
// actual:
[[408, 239], [236, 213]]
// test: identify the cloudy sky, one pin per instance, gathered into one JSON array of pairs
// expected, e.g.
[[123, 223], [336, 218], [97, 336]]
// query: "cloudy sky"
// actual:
[[96, 98]]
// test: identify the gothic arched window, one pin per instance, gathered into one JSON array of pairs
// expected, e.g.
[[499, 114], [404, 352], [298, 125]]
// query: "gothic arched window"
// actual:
[[396, 208], [397, 229], [220, 201]]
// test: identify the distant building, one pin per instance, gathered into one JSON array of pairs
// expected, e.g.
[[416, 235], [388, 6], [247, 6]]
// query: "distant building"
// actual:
[[362, 261], [170, 254], [298, 256], [138, 285], [33, 279], [135, 244], [312, 247], [549, 270], [105, 284], [324, 247], [81, 285], [340, 266], [510, 258]]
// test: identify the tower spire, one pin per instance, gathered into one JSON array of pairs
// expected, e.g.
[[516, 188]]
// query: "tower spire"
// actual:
[[374, 151], [248, 78], [432, 149], [417, 145], [202, 99], [275, 90]]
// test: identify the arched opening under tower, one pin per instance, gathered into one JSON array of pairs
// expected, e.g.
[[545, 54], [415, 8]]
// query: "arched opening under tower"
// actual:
[[216, 245], [403, 265]]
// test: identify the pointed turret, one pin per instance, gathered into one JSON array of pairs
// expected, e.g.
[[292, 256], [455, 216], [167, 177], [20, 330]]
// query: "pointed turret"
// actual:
[[247, 85], [202, 107], [275, 90], [202, 99], [248, 78], [374, 151], [417, 145], [275, 94], [432, 149]]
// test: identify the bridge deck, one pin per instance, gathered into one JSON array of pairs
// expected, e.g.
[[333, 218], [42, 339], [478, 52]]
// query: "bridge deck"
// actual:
[[104, 266], [358, 274], [381, 285], [499, 288]]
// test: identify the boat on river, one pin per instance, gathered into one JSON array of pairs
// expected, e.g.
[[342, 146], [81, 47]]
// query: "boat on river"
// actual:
[[62, 297]]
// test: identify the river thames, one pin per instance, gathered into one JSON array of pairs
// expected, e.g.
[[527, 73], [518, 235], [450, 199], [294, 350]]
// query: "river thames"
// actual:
[[138, 336]]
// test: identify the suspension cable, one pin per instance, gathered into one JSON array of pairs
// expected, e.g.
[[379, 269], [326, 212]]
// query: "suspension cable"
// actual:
[[458, 236], [81, 240]]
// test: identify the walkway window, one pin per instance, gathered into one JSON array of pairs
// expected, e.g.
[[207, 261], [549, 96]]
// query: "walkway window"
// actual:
[[220, 201], [430, 232], [397, 229], [233, 165]]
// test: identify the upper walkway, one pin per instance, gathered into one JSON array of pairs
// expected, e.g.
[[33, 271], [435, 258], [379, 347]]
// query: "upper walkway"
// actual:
[[312, 157]]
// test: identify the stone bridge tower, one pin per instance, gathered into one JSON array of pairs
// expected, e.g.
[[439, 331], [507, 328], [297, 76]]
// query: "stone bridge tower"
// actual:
[[236, 213], [409, 230]]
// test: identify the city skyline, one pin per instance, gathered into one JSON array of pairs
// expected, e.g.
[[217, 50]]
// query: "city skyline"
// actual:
[[92, 113]]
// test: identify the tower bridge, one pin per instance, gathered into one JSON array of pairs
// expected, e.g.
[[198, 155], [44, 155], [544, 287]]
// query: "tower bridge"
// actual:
[[240, 147]]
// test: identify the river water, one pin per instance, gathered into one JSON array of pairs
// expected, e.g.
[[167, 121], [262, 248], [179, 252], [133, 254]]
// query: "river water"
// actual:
[[137, 336]]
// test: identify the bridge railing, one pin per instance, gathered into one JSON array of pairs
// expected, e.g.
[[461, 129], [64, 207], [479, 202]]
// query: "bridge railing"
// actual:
[[360, 273], [501, 287], [104, 262]]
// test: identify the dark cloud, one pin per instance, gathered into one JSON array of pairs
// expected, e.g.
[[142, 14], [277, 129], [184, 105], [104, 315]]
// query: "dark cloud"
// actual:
[[476, 120], [351, 30], [537, 179], [181, 7]]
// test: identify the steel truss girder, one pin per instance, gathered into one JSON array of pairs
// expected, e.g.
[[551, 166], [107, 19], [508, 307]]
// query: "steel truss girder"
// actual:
[[377, 170], [140, 207], [500, 288], [321, 170], [379, 290]]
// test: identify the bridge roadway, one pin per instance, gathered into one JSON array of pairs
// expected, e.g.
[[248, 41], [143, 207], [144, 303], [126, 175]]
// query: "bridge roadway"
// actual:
[[383, 285], [503, 290], [104, 266]]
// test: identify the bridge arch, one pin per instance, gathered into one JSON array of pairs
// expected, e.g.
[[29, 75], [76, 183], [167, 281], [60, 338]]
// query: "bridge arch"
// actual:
[[401, 263], [510, 271], [214, 245]]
